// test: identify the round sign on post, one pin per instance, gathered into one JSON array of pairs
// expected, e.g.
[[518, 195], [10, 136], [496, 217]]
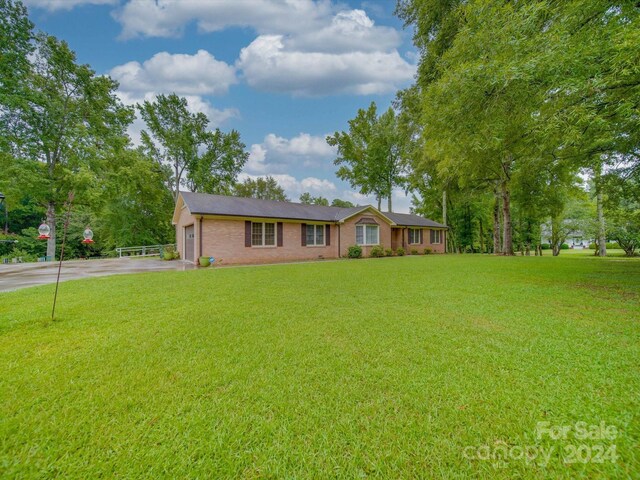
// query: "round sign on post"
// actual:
[[44, 232], [88, 235]]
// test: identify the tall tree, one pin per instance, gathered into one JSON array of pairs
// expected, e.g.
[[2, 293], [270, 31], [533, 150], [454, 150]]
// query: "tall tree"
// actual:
[[16, 44], [266, 188], [69, 119], [217, 168], [205, 161], [507, 86], [478, 103], [370, 154]]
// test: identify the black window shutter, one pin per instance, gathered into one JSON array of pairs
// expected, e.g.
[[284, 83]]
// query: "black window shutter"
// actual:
[[328, 236], [433, 236], [421, 237], [304, 235], [247, 233], [280, 228]]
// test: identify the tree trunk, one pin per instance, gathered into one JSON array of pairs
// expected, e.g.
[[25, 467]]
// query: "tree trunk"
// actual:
[[507, 244], [602, 238], [379, 203], [444, 215], [496, 223], [176, 189], [481, 235], [444, 207], [389, 204], [451, 241], [556, 236], [51, 221]]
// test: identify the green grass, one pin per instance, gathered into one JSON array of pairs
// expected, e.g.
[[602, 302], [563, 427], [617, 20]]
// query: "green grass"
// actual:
[[384, 368]]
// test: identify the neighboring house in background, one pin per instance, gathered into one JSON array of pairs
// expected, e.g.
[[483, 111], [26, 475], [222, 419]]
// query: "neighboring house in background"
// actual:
[[248, 230], [575, 238]]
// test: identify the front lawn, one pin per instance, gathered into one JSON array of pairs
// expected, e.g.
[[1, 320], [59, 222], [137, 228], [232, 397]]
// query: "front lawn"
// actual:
[[427, 367]]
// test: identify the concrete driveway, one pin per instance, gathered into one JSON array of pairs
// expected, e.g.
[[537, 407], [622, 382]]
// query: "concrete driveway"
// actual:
[[22, 275]]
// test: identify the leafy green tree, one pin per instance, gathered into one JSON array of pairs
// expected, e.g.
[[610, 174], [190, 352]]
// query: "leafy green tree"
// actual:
[[135, 206], [623, 209], [571, 216], [266, 188], [370, 154], [307, 199], [204, 161], [69, 120], [336, 202], [217, 168], [16, 44], [176, 136], [506, 93]]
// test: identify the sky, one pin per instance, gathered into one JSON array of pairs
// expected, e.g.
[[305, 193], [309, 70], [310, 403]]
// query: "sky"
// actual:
[[284, 73]]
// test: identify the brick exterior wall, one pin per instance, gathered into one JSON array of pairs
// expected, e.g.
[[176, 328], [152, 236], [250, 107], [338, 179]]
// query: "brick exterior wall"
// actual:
[[348, 233], [426, 242], [224, 239]]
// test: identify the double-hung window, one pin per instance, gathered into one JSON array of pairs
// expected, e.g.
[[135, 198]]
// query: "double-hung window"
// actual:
[[263, 234], [315, 235], [414, 236], [367, 234], [436, 236]]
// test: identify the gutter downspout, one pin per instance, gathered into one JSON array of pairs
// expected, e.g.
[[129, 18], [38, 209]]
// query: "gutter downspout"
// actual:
[[339, 238], [200, 237]]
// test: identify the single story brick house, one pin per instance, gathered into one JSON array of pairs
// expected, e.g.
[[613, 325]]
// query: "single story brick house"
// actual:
[[238, 230]]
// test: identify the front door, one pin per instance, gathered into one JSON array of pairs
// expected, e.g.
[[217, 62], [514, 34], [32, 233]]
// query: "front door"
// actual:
[[189, 243]]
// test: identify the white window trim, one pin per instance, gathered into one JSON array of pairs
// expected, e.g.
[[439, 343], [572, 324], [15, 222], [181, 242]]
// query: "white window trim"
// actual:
[[439, 233], [324, 235], [364, 235], [264, 231], [418, 231]]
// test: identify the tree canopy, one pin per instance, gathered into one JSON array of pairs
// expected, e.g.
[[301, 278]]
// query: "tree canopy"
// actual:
[[370, 154], [265, 188]]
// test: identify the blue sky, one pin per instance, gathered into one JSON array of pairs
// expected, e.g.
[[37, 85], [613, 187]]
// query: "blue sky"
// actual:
[[284, 73]]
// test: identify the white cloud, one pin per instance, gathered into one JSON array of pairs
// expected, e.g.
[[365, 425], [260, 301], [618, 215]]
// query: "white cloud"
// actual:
[[278, 154], [347, 31], [313, 185], [189, 76], [304, 145], [167, 18], [66, 4], [199, 74], [269, 64], [303, 47]]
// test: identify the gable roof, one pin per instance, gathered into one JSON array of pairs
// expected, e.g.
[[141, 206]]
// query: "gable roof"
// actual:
[[206, 204]]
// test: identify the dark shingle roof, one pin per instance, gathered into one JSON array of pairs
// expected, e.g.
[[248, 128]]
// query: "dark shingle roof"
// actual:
[[205, 204], [411, 220]]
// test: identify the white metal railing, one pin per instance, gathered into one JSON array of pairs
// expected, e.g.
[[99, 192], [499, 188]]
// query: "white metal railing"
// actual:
[[143, 250]]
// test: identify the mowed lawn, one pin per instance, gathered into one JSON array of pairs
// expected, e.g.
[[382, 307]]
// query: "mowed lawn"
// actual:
[[412, 367]]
